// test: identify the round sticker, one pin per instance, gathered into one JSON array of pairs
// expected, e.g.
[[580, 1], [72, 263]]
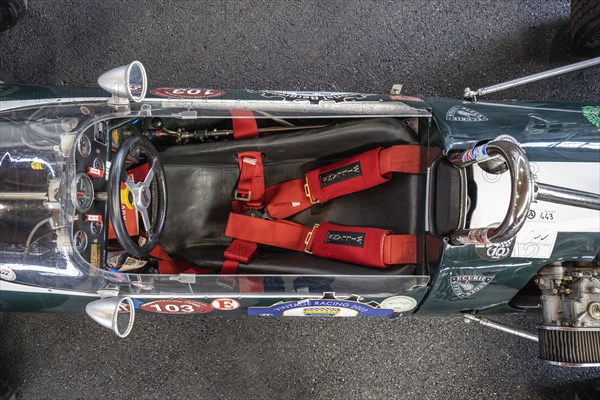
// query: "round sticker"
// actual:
[[225, 304], [176, 306], [399, 304], [7, 274]]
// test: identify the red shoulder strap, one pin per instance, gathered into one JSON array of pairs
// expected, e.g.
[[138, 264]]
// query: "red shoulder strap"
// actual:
[[244, 124]]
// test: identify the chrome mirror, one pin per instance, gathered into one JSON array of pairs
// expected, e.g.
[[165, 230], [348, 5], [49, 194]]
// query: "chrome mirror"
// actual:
[[125, 83], [115, 313]]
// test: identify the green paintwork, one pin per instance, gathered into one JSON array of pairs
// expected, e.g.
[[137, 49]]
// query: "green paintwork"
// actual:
[[533, 124]]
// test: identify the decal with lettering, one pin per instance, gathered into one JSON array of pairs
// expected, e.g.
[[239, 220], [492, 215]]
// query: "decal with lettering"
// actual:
[[354, 239], [225, 304], [177, 306], [187, 93], [399, 304], [465, 286], [495, 251], [340, 174], [464, 114], [338, 97], [327, 306]]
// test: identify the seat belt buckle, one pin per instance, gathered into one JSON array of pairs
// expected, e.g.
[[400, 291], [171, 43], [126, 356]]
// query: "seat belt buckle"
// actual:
[[307, 191], [308, 240], [242, 197]]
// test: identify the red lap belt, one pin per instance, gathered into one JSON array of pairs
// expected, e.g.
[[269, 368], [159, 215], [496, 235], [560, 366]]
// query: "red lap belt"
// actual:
[[354, 174], [364, 246]]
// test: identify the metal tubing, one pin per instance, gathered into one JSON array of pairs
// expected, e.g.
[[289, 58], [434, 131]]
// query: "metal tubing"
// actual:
[[23, 196], [501, 327], [569, 197], [520, 198], [535, 77]]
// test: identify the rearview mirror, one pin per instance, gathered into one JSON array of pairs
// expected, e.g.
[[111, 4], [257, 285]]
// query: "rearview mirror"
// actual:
[[125, 83]]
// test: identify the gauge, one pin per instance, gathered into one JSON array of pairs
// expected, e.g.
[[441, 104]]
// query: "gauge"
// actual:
[[82, 192], [80, 240], [84, 146], [98, 163], [96, 227]]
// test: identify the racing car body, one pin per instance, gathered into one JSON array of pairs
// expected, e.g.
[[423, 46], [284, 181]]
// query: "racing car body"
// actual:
[[273, 203]]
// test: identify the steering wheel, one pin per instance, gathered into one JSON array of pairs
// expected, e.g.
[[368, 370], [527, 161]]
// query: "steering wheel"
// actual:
[[149, 195]]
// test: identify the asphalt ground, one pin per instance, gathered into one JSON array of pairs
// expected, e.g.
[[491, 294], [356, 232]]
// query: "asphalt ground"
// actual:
[[434, 49]]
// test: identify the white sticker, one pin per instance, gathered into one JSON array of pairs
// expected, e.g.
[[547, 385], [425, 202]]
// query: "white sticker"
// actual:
[[535, 242], [131, 264], [543, 216], [399, 304], [225, 304], [7, 274], [295, 204]]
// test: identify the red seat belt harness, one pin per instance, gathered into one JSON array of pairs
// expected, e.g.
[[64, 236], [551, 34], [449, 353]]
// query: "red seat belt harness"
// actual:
[[371, 247], [354, 174]]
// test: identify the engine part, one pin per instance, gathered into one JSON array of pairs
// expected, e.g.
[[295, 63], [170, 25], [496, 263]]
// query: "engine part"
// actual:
[[570, 332]]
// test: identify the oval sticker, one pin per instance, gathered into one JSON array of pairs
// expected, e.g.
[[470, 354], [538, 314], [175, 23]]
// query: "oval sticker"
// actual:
[[7, 274], [187, 93], [399, 304], [225, 304], [177, 306]]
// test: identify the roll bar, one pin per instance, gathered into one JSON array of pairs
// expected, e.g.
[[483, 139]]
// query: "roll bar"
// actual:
[[522, 190]]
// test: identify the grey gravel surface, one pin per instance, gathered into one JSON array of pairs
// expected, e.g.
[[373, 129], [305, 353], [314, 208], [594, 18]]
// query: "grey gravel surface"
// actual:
[[434, 48]]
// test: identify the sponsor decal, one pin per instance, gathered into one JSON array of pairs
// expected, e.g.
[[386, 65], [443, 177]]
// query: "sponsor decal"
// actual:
[[592, 114], [467, 285], [225, 304], [187, 93], [354, 239], [405, 98], [464, 114], [340, 174], [177, 306], [495, 251], [478, 153], [327, 306], [399, 304], [7, 274], [338, 97]]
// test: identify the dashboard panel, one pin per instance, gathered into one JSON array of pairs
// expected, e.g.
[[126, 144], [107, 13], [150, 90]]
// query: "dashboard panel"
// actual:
[[89, 194]]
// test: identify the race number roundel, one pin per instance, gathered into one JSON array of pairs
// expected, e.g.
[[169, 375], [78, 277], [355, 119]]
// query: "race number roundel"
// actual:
[[225, 304], [177, 306], [187, 93]]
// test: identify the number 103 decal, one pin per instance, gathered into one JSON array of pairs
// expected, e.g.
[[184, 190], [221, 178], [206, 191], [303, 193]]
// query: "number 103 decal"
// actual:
[[177, 306]]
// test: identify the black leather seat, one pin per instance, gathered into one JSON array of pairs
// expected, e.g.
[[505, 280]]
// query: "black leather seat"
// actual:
[[201, 180]]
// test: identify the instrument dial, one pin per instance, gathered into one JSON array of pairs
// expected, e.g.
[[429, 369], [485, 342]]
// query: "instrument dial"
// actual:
[[82, 192], [80, 240], [84, 147], [96, 227], [98, 163]]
